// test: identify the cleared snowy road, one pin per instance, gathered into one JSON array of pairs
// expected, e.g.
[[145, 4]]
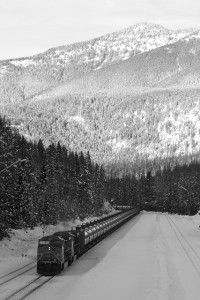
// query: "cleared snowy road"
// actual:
[[153, 256]]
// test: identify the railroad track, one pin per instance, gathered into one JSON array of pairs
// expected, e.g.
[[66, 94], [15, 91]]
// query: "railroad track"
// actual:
[[11, 278], [187, 247], [29, 288], [14, 274]]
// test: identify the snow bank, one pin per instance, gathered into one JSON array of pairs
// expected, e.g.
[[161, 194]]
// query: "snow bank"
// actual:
[[23, 242]]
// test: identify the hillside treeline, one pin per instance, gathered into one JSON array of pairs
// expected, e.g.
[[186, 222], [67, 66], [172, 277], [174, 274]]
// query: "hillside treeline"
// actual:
[[173, 190], [41, 185]]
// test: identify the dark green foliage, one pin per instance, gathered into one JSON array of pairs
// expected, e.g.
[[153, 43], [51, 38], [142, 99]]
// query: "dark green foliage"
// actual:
[[172, 189], [41, 185]]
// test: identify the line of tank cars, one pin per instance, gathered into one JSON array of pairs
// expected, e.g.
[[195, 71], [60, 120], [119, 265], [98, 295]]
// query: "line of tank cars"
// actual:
[[64, 246]]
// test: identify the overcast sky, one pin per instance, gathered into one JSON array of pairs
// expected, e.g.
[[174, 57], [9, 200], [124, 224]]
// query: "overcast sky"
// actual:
[[32, 26]]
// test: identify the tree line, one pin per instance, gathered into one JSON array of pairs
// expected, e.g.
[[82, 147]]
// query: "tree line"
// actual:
[[43, 185], [169, 189], [174, 190]]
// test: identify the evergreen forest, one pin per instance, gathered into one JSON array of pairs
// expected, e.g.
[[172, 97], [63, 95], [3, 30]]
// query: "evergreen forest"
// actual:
[[42, 185]]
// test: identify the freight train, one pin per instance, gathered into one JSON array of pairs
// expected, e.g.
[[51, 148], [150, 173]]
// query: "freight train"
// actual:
[[64, 246]]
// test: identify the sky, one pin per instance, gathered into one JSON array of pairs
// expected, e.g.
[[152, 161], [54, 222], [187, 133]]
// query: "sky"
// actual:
[[29, 27]]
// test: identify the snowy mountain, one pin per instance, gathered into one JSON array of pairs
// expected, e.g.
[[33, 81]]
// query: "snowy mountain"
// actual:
[[24, 78], [172, 65], [101, 51], [117, 46], [107, 94]]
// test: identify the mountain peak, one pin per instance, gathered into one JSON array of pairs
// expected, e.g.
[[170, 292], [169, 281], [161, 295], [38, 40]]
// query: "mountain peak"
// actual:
[[99, 52], [148, 25]]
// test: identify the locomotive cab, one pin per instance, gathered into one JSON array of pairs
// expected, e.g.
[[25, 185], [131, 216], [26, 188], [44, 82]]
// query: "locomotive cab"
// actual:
[[50, 255]]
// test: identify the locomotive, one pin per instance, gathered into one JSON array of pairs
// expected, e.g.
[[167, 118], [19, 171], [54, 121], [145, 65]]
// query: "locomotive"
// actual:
[[64, 246]]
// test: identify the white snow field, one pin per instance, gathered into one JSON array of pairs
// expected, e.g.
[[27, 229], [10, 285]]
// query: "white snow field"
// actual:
[[154, 256]]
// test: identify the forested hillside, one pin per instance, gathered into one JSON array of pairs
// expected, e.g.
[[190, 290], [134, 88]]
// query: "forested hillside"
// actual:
[[129, 129], [43, 185]]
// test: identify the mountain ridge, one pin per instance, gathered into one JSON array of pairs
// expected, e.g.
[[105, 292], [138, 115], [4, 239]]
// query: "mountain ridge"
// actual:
[[128, 35], [148, 25], [152, 69], [127, 104], [35, 74]]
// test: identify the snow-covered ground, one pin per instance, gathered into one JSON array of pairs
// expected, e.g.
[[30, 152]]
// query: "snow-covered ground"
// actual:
[[154, 256]]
